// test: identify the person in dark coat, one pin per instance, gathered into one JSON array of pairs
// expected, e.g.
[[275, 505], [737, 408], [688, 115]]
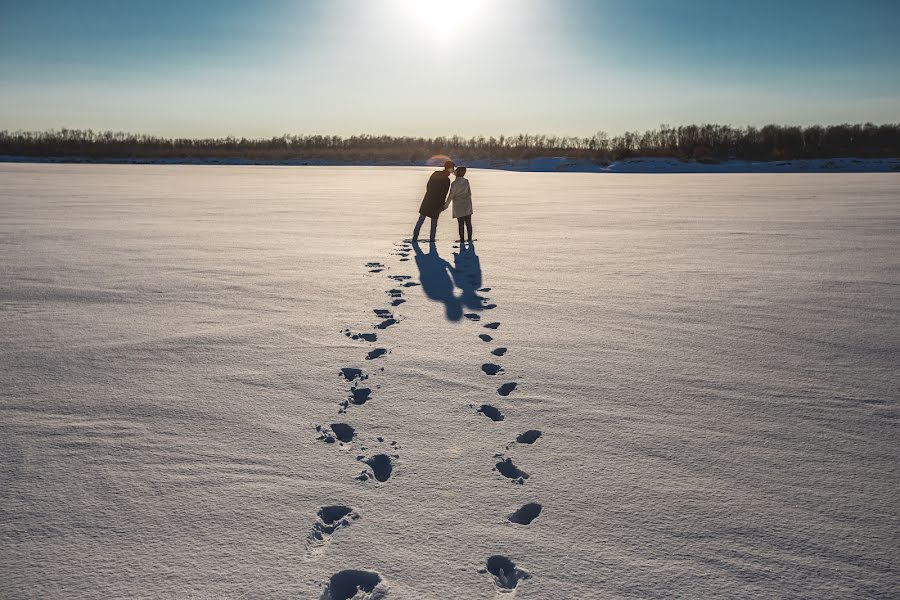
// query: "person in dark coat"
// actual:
[[433, 202]]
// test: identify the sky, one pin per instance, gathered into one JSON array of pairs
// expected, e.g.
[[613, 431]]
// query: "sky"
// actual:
[[196, 68]]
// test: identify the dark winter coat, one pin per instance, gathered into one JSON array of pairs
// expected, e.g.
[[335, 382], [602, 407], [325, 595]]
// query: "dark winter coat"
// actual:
[[435, 194]]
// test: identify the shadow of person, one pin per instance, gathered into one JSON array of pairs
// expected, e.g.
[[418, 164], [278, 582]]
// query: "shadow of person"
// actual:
[[434, 275], [467, 275]]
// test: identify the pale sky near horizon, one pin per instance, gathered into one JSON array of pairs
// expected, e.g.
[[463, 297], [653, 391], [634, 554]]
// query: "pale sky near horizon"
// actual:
[[443, 67]]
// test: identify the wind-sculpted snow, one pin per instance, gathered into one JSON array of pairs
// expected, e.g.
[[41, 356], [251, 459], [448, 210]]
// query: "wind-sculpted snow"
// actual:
[[698, 379]]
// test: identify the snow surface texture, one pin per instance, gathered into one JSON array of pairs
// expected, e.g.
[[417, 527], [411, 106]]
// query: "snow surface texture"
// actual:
[[544, 164], [705, 400]]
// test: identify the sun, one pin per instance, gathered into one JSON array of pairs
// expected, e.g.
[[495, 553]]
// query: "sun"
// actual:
[[444, 19]]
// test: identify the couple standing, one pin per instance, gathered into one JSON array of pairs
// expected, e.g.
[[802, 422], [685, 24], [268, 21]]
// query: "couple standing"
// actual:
[[437, 199]]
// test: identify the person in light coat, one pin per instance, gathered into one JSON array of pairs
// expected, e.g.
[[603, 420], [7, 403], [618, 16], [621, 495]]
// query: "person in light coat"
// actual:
[[461, 197]]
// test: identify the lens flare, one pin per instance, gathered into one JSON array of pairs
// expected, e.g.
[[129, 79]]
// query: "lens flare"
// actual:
[[437, 160], [443, 18]]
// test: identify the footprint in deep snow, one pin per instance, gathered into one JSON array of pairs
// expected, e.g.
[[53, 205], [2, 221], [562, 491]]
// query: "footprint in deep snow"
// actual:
[[396, 296], [506, 389], [382, 313], [493, 325], [368, 337], [343, 432], [345, 585], [382, 467], [329, 519], [325, 436], [387, 323], [352, 374], [498, 351], [372, 355], [339, 432], [358, 397], [472, 316], [491, 368], [485, 337], [510, 471], [491, 412], [526, 514], [529, 437], [506, 575]]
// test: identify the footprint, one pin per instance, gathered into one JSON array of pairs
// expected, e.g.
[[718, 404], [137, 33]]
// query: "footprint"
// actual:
[[498, 351], [382, 312], [411, 284], [387, 323], [485, 337], [325, 436], [382, 466], [351, 374], [529, 437], [394, 293], [491, 412], [397, 301], [399, 277], [511, 471], [472, 316], [369, 337], [375, 270], [491, 369], [526, 514], [493, 325], [484, 289], [376, 353], [360, 396], [329, 520], [374, 264], [343, 432], [506, 575], [345, 585], [506, 389], [489, 306]]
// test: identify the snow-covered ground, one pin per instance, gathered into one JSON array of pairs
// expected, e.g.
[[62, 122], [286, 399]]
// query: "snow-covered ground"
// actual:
[[547, 164], [711, 361]]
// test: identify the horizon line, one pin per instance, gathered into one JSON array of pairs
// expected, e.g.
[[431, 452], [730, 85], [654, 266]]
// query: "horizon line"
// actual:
[[598, 132]]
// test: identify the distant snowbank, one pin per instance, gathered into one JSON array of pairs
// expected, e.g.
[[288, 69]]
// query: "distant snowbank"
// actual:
[[673, 165], [542, 165]]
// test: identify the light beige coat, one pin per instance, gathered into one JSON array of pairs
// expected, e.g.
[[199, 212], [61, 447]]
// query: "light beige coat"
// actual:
[[461, 197]]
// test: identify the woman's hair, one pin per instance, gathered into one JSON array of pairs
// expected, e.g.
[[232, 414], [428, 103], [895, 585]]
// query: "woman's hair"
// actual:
[[460, 171]]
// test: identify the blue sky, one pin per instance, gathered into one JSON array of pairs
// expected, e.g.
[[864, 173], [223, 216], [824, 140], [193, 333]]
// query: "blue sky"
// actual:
[[438, 67]]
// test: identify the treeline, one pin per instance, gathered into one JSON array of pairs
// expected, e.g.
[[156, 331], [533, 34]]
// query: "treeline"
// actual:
[[699, 142]]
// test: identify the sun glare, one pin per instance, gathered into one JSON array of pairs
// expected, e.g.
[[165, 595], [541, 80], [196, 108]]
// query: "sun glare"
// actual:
[[444, 19]]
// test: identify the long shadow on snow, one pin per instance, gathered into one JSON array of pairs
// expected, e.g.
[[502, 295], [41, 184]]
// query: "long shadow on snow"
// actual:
[[440, 279]]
